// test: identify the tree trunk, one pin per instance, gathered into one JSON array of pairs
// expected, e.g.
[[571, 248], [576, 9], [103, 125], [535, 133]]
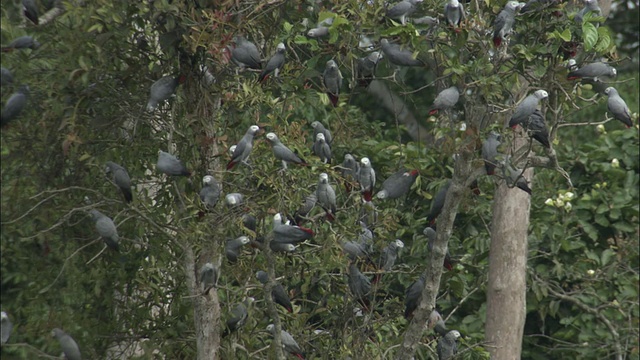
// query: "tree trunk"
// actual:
[[506, 290], [206, 312]]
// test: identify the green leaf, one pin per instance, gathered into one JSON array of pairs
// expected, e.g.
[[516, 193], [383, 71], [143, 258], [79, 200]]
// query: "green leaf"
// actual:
[[565, 35], [607, 255], [604, 40], [589, 35]]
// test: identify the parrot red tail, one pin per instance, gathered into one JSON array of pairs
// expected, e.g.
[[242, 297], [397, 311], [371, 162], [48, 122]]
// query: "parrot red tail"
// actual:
[[448, 264], [367, 195], [299, 356], [497, 41], [230, 165], [433, 112], [376, 278], [334, 99]]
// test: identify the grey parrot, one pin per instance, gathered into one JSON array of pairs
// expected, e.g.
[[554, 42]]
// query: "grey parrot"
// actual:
[[618, 107], [513, 176], [412, 297], [283, 153], [503, 24], [209, 275], [589, 6], [366, 68], [438, 203], [398, 56], [366, 178], [326, 195], [447, 345], [22, 42], [436, 322], [30, 10], [527, 107], [397, 184], [14, 105], [6, 326], [322, 149], [274, 64], [243, 148], [453, 12], [490, 152], [402, 9], [238, 316], [289, 234], [245, 53], [360, 286], [121, 178], [349, 170], [106, 229], [234, 199], [278, 293], [281, 247], [592, 70], [445, 100], [7, 77], [170, 165], [68, 345], [368, 214], [210, 192], [388, 258], [355, 250], [249, 221], [332, 80], [320, 31], [288, 342], [390, 254], [426, 20], [305, 208], [319, 128], [161, 90], [232, 248], [536, 128], [431, 234]]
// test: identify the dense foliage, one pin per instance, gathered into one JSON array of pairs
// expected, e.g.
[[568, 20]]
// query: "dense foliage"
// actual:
[[89, 85]]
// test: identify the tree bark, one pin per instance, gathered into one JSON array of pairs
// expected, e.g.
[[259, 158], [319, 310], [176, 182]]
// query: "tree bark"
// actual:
[[506, 290], [463, 176], [206, 312]]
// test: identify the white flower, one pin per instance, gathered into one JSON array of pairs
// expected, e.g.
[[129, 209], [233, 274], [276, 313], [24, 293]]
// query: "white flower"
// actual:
[[567, 206], [549, 202], [559, 203], [569, 195], [601, 129], [590, 272], [615, 163]]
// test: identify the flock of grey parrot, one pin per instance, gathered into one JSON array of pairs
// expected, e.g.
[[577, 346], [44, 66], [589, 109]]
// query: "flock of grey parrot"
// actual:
[[288, 234]]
